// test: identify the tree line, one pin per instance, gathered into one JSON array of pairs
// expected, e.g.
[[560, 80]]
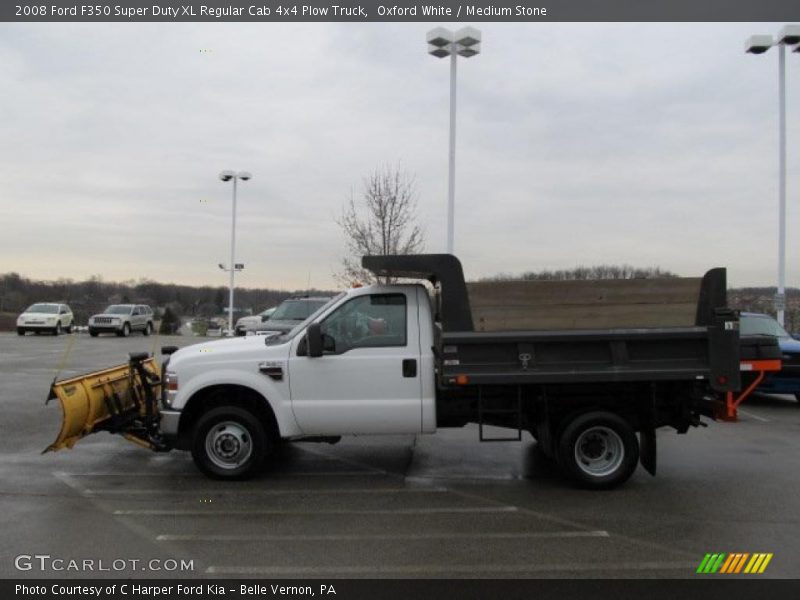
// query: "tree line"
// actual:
[[91, 296]]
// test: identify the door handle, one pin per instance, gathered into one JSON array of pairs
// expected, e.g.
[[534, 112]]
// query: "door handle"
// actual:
[[409, 367]]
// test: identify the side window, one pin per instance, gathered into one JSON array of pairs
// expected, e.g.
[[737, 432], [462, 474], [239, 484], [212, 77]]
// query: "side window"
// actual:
[[135, 311], [375, 321]]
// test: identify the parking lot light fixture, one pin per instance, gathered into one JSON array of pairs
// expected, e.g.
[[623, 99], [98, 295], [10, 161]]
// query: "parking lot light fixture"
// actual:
[[233, 176], [789, 35], [466, 42]]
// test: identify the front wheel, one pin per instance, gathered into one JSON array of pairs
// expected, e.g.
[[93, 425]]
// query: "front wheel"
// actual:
[[126, 330], [230, 442], [599, 450], [20, 331], [57, 330]]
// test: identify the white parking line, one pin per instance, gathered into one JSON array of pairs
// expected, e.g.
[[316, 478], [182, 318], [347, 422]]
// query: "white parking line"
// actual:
[[460, 569], [262, 492], [754, 416], [397, 511], [387, 536], [69, 480], [199, 477]]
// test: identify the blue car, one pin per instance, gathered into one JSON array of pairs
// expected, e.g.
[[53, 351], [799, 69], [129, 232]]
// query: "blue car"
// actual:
[[787, 380]]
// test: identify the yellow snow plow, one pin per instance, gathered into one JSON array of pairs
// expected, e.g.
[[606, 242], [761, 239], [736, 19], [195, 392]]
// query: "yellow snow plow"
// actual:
[[121, 399]]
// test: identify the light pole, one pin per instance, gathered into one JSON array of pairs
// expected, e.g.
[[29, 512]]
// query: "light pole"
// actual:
[[442, 42], [759, 44], [227, 176]]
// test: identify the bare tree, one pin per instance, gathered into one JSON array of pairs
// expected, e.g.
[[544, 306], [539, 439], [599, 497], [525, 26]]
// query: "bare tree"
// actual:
[[382, 221]]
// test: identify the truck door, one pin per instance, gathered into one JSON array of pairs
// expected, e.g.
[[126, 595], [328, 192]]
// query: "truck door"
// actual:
[[368, 379]]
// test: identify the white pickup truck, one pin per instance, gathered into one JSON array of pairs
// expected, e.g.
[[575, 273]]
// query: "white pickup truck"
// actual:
[[398, 359], [395, 359]]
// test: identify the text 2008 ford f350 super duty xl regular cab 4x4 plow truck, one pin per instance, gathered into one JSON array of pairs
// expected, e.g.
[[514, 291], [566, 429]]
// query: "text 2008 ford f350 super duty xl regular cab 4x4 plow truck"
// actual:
[[398, 359]]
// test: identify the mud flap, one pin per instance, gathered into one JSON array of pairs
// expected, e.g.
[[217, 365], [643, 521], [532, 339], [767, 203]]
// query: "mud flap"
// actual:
[[647, 450], [120, 399]]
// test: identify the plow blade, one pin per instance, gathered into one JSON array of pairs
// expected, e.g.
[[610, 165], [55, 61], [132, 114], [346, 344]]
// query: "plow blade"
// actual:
[[120, 399]]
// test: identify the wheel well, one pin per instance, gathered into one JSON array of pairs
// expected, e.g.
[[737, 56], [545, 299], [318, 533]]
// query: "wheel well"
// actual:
[[224, 395]]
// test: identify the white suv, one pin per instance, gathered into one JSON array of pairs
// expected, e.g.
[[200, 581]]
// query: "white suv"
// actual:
[[45, 316], [122, 319]]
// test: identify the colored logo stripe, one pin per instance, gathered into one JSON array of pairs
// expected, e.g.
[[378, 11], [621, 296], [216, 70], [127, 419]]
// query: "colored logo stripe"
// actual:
[[734, 563]]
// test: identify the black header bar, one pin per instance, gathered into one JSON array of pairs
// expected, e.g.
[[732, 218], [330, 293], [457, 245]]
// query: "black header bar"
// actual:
[[277, 11]]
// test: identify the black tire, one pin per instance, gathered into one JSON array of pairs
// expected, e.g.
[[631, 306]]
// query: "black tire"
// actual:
[[69, 329], [797, 396], [230, 442], [599, 450], [20, 331], [57, 329], [126, 330], [93, 332], [148, 329]]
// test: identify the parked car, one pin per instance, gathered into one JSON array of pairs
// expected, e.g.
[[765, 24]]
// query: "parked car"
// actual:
[[249, 324], [290, 312], [121, 319], [45, 316], [787, 380]]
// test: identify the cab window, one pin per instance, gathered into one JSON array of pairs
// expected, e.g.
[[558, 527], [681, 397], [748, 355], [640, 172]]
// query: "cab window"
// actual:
[[374, 321]]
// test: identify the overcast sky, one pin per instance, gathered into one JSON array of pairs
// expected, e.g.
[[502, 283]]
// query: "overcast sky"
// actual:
[[578, 144]]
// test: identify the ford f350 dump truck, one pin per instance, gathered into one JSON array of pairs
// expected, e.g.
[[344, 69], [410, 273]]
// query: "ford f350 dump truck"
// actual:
[[396, 359]]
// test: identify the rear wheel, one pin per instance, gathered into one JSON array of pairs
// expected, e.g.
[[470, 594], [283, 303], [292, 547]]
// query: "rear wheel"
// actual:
[[230, 442], [599, 450], [148, 329]]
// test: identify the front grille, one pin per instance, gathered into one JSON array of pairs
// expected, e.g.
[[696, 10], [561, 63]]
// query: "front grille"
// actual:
[[105, 320]]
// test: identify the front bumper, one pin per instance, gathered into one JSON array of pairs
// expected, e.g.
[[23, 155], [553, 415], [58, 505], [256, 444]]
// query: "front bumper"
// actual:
[[106, 328], [36, 325], [169, 423]]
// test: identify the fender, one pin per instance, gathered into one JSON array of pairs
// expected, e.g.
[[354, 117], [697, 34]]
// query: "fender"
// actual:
[[275, 393]]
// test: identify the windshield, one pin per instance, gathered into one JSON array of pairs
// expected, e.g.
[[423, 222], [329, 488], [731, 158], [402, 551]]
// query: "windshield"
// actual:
[[749, 325], [50, 309], [118, 309], [297, 310], [280, 339]]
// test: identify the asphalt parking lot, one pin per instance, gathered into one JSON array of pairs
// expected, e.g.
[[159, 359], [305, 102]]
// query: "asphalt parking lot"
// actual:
[[400, 506]]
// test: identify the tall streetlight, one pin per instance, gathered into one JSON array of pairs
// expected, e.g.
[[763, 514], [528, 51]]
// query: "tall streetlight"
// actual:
[[759, 44], [228, 176], [442, 42]]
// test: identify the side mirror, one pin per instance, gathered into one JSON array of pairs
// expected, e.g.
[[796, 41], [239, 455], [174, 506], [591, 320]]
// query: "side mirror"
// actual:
[[264, 318], [314, 337]]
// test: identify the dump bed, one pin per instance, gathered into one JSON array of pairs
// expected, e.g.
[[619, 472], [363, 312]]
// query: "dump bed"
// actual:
[[706, 348]]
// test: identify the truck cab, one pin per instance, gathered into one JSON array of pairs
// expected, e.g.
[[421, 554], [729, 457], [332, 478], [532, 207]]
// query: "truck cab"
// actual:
[[374, 375]]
